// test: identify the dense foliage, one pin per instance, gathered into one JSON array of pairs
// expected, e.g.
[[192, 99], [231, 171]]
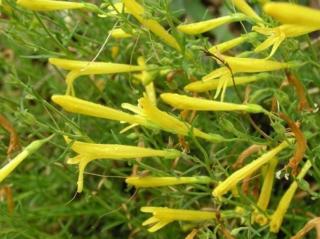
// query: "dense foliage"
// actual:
[[270, 73]]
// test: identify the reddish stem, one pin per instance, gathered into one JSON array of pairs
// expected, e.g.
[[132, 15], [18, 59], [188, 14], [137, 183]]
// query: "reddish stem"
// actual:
[[301, 143], [14, 139]]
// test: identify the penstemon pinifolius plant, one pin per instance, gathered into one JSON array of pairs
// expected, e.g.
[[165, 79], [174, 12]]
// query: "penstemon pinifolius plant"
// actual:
[[202, 114]]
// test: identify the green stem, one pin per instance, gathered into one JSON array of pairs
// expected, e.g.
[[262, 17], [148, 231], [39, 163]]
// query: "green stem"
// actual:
[[55, 40]]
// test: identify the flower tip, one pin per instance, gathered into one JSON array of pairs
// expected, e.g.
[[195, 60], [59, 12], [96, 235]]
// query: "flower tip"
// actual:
[[54, 98], [72, 161], [165, 96], [51, 60], [59, 99], [151, 230], [216, 193], [146, 209], [196, 86], [67, 139], [130, 180], [170, 98], [267, 7], [188, 87]]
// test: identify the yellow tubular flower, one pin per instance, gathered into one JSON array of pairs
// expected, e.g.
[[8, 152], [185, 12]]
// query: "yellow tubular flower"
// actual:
[[225, 46], [252, 65], [202, 86], [278, 34], [265, 193], [204, 26], [171, 124], [184, 102], [247, 170], [238, 64], [278, 215], [151, 182], [146, 79], [243, 6], [151, 92], [30, 149], [67, 64], [289, 13], [138, 12], [49, 5], [76, 105], [119, 33], [89, 151], [80, 68], [150, 116], [163, 216]]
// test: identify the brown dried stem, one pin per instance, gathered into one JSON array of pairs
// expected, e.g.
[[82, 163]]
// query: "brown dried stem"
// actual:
[[301, 93], [301, 143], [7, 192], [14, 139], [313, 223], [245, 154]]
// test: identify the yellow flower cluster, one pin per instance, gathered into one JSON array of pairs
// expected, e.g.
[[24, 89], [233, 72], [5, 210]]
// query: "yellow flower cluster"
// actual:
[[90, 151], [233, 70]]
